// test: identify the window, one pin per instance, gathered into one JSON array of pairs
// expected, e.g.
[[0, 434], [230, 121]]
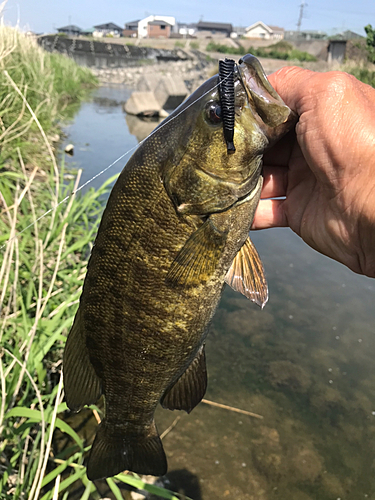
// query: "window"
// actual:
[[162, 26]]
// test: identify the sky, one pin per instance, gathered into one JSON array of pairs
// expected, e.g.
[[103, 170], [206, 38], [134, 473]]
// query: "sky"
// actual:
[[334, 16]]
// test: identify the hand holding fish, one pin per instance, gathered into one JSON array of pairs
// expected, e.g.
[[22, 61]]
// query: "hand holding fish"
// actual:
[[325, 168]]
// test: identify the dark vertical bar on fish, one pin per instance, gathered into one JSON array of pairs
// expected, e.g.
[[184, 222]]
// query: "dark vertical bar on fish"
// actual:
[[226, 89]]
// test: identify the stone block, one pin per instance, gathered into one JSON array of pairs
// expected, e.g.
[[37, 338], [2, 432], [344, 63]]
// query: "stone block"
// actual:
[[170, 91], [148, 82], [142, 103]]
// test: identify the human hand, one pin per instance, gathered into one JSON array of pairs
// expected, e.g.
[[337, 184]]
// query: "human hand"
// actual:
[[325, 169]]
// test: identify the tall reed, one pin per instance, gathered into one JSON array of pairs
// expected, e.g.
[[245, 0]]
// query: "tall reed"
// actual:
[[42, 267]]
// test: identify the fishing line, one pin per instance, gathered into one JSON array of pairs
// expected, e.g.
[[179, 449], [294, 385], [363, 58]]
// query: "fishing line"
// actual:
[[113, 163]]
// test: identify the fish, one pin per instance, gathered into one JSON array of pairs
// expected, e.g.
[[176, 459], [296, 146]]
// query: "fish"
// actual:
[[174, 231]]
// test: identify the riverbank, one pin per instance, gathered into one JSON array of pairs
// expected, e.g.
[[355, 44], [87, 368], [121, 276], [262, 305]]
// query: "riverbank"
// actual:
[[46, 233]]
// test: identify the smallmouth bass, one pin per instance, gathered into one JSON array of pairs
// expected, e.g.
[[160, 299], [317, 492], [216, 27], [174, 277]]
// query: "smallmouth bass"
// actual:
[[175, 229]]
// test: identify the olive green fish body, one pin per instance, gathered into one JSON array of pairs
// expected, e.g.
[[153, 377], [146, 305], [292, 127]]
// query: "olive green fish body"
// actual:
[[176, 223]]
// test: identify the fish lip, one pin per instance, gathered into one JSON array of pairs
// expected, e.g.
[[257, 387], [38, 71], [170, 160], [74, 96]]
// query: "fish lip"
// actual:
[[255, 80], [265, 103]]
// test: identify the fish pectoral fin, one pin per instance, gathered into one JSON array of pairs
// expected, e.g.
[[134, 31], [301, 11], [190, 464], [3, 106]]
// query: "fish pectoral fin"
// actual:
[[198, 258], [81, 384], [137, 450], [190, 388], [246, 274]]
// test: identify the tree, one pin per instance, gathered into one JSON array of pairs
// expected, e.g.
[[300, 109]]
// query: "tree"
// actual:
[[370, 42]]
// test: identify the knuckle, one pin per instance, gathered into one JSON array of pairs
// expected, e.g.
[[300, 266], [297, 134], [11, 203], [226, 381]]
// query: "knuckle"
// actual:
[[338, 82]]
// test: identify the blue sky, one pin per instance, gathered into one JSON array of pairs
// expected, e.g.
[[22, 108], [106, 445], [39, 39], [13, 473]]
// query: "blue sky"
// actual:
[[45, 15]]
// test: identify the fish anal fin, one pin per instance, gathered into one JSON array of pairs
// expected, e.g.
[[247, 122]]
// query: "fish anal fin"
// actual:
[[246, 274], [114, 452], [81, 384], [190, 388], [198, 258]]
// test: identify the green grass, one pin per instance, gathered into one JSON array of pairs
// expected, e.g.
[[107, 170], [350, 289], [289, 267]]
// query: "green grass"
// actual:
[[281, 50], [364, 74], [41, 278], [42, 268], [50, 83], [224, 49]]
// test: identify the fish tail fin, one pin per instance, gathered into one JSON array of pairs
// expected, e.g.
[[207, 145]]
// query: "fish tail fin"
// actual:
[[138, 451]]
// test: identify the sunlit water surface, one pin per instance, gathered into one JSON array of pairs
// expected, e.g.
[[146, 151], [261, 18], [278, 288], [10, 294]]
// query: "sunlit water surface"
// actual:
[[306, 363]]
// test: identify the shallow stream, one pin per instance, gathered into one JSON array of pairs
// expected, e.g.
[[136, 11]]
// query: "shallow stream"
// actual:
[[306, 363]]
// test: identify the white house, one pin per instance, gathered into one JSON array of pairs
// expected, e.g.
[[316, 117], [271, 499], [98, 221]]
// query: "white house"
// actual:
[[262, 31], [111, 29], [143, 23]]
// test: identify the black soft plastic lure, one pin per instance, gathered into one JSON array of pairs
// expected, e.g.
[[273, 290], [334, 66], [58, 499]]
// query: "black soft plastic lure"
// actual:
[[226, 89]]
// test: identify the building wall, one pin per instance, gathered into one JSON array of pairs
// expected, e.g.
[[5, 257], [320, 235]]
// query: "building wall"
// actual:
[[211, 34], [156, 31], [258, 32], [142, 25]]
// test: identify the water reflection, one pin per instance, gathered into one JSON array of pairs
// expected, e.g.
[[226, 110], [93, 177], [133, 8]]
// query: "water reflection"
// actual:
[[306, 363], [141, 127]]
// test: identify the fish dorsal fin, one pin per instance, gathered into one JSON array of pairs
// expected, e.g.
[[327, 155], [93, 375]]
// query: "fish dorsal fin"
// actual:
[[246, 274], [81, 384], [189, 389], [198, 258]]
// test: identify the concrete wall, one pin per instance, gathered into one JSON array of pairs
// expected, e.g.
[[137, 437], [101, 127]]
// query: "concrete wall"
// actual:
[[105, 54]]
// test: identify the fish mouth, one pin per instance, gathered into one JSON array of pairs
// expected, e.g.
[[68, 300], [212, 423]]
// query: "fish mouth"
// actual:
[[262, 97]]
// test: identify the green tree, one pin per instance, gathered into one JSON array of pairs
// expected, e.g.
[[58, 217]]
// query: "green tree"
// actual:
[[370, 42]]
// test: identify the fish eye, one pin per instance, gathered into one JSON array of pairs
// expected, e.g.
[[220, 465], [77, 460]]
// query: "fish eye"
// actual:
[[213, 112]]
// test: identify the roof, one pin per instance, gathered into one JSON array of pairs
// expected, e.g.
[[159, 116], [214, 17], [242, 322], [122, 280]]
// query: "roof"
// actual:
[[108, 26], [70, 27], [264, 25], [202, 25], [159, 23], [276, 28], [187, 25]]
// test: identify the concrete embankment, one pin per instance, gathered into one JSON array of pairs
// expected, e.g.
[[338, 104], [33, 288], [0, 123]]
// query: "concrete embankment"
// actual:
[[108, 54]]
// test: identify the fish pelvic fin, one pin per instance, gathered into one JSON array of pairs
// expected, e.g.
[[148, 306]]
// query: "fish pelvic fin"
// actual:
[[190, 388], [113, 452], [81, 384], [246, 274]]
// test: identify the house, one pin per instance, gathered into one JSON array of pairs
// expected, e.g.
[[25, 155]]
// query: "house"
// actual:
[[71, 30], [262, 31], [158, 29], [131, 29], [238, 32], [132, 25], [106, 29], [143, 30], [217, 30]]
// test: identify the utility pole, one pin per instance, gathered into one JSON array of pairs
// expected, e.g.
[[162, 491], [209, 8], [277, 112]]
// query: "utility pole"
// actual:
[[301, 7]]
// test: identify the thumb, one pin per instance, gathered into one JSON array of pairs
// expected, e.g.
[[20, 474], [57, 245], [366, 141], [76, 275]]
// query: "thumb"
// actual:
[[291, 83]]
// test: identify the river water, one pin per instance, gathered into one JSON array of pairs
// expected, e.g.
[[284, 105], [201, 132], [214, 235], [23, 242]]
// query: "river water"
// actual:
[[306, 363]]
